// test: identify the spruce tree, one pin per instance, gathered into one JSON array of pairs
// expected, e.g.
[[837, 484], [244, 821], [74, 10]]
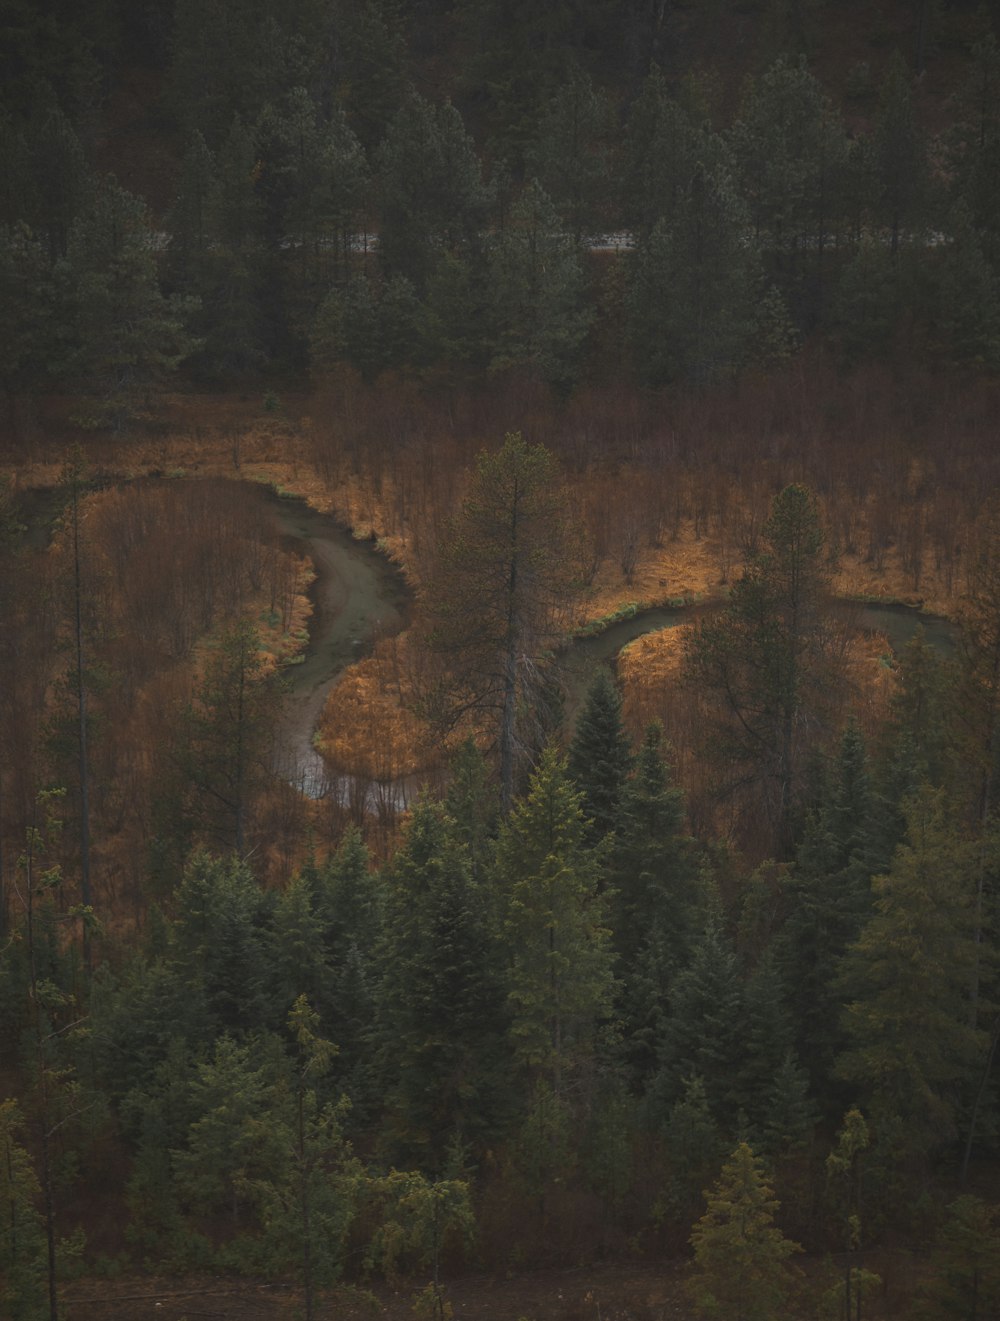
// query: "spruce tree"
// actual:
[[967, 301], [349, 902], [830, 897], [741, 1258], [560, 973], [695, 1148], [652, 861], [226, 1145], [440, 1017], [703, 1029], [769, 1072], [765, 670], [866, 302], [600, 758], [845, 1191], [656, 904], [306, 1201], [300, 964], [218, 950], [907, 979]]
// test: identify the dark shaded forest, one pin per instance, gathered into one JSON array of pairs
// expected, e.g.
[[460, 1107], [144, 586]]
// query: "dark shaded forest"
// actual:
[[574, 311]]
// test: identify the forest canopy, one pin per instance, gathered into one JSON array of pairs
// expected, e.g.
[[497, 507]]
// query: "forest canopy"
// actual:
[[591, 857]]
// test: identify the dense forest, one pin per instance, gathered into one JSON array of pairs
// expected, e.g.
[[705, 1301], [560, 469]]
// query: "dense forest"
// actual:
[[594, 864]]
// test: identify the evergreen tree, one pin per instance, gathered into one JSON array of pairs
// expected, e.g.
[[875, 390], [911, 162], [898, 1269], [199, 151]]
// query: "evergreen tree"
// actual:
[[376, 326], [772, 1086], [908, 980], [56, 57], [431, 192], [703, 1033], [600, 757], [28, 352], [845, 1183], [233, 315], [232, 58], [538, 315], [967, 298], [48, 184], [261, 228], [193, 219], [867, 301], [471, 802], [226, 1145], [560, 976], [964, 1275], [663, 148], [741, 1258], [155, 1115], [300, 964], [570, 154], [306, 1201], [842, 847], [224, 752], [652, 863], [457, 313], [766, 669], [976, 146], [419, 1219], [790, 150], [349, 898], [976, 731], [348, 903], [655, 905], [217, 948], [918, 733], [367, 60], [695, 1149], [22, 1234], [123, 335], [347, 328], [521, 54], [694, 285], [901, 176], [506, 568], [440, 1019]]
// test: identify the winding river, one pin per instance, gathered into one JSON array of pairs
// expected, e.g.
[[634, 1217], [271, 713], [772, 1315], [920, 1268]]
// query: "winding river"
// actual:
[[358, 595]]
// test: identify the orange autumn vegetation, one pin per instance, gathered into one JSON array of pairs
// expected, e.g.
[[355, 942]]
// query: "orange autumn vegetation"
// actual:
[[670, 492]]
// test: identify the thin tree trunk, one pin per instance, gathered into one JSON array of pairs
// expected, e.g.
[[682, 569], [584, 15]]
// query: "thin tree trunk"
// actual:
[[43, 1109], [508, 718], [81, 693], [307, 1274], [963, 1176]]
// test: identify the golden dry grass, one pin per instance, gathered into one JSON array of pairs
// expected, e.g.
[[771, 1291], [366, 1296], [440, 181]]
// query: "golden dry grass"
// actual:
[[368, 730], [367, 726]]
